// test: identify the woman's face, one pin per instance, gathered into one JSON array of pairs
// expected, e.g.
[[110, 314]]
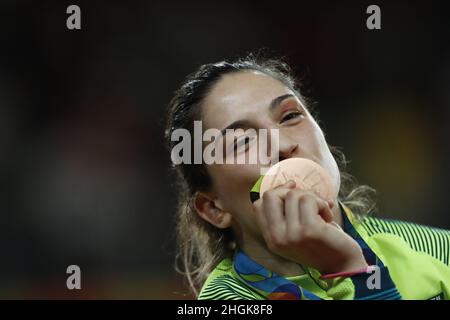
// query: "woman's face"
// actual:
[[246, 97]]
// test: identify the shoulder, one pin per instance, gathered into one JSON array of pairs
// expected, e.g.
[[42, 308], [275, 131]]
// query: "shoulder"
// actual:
[[432, 241], [222, 284]]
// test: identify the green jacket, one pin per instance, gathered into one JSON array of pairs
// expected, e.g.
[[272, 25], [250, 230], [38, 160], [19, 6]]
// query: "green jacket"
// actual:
[[412, 262]]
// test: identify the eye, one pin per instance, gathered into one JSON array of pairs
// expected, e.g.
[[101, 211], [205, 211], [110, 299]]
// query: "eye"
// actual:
[[291, 115], [244, 141]]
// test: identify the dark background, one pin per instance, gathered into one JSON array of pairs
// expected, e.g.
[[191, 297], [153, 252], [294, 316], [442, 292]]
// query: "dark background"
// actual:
[[84, 173]]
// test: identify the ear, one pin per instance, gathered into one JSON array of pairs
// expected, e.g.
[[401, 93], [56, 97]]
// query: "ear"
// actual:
[[211, 211]]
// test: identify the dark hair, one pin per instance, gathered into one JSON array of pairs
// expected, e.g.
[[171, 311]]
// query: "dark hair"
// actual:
[[200, 245]]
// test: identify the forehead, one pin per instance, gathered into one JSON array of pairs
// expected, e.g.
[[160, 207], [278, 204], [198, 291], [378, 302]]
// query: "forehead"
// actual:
[[240, 95]]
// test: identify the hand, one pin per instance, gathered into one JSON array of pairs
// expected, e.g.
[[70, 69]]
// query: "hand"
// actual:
[[296, 224]]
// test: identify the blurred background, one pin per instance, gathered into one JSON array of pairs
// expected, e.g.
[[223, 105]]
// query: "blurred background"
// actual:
[[83, 169]]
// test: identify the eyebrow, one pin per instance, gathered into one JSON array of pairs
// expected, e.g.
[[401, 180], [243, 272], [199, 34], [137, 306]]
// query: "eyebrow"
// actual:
[[245, 124]]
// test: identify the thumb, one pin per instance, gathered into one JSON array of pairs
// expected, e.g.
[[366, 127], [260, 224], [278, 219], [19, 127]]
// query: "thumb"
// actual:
[[288, 184]]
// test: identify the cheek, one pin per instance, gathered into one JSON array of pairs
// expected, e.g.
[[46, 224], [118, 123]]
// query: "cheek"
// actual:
[[233, 182], [327, 161], [333, 170]]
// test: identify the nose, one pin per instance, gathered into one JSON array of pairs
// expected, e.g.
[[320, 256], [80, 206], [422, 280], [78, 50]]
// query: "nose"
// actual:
[[287, 148]]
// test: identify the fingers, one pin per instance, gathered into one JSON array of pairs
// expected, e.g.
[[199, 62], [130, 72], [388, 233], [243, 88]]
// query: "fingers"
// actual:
[[325, 210], [292, 213], [270, 212], [286, 212], [307, 202], [331, 203], [306, 213], [273, 205]]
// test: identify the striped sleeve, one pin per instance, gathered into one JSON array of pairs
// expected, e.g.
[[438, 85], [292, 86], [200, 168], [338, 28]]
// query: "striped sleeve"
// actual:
[[432, 241], [225, 287]]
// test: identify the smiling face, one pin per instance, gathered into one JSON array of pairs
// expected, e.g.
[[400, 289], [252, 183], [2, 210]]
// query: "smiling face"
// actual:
[[251, 99]]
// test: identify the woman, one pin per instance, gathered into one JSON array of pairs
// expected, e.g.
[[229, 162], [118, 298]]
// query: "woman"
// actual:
[[285, 244]]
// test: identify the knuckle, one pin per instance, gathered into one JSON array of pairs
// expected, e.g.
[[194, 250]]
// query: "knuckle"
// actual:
[[308, 235], [293, 236], [303, 199], [306, 198], [291, 194], [267, 195], [257, 205]]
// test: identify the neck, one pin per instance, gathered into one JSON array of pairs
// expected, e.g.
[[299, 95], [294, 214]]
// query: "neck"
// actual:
[[258, 251]]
